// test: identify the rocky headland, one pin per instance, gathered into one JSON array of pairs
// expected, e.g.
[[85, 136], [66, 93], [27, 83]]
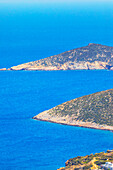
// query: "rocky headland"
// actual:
[[91, 111], [91, 57]]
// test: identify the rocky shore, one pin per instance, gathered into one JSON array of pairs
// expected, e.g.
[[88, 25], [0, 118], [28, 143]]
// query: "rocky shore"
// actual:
[[67, 120]]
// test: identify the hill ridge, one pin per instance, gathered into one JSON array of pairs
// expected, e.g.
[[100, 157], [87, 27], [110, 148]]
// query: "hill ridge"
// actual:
[[90, 57], [92, 111]]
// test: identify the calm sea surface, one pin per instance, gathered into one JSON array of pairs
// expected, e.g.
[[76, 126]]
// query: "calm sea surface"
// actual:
[[31, 144], [29, 33]]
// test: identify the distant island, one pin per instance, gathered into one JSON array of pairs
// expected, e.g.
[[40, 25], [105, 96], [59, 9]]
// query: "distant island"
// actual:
[[91, 111], [93, 161], [91, 57]]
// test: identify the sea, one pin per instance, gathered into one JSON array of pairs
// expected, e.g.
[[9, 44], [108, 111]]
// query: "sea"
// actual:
[[30, 32]]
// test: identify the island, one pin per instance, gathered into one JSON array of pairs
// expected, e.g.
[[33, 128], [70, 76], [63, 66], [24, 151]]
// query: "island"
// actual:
[[91, 57], [90, 111], [93, 161]]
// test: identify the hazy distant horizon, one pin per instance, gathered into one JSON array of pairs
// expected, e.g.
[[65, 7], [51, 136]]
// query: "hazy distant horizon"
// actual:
[[55, 1]]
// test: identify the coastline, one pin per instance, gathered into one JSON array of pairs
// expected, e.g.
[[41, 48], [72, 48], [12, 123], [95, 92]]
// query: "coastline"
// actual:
[[63, 121], [48, 69]]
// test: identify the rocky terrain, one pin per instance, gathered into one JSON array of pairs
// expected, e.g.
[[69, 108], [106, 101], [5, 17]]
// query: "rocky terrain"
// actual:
[[91, 111], [93, 161], [91, 57]]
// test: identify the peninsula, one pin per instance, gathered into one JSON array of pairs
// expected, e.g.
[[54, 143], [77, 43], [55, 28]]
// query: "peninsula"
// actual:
[[91, 57], [91, 111]]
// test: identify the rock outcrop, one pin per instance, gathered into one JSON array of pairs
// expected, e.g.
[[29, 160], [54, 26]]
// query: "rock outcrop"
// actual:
[[91, 57]]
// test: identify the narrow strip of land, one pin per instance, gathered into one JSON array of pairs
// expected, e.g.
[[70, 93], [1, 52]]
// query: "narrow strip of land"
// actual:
[[63, 121]]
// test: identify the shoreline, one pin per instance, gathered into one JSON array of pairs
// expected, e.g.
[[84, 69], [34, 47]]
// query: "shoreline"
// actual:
[[9, 69], [88, 125]]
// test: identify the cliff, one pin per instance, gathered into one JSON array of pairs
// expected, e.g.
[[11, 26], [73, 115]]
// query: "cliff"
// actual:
[[92, 111], [89, 161], [93, 56]]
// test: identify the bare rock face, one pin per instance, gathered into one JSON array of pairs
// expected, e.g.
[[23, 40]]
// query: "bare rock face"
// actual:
[[91, 57]]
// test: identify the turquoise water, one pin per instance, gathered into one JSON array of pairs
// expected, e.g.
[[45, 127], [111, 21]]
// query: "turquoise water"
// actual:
[[29, 33]]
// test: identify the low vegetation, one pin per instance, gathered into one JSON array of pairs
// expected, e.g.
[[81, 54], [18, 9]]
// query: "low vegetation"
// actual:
[[93, 161], [95, 108], [93, 56], [91, 53]]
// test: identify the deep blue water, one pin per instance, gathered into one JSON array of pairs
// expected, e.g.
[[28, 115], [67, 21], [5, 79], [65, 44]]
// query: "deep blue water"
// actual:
[[29, 33], [31, 144]]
